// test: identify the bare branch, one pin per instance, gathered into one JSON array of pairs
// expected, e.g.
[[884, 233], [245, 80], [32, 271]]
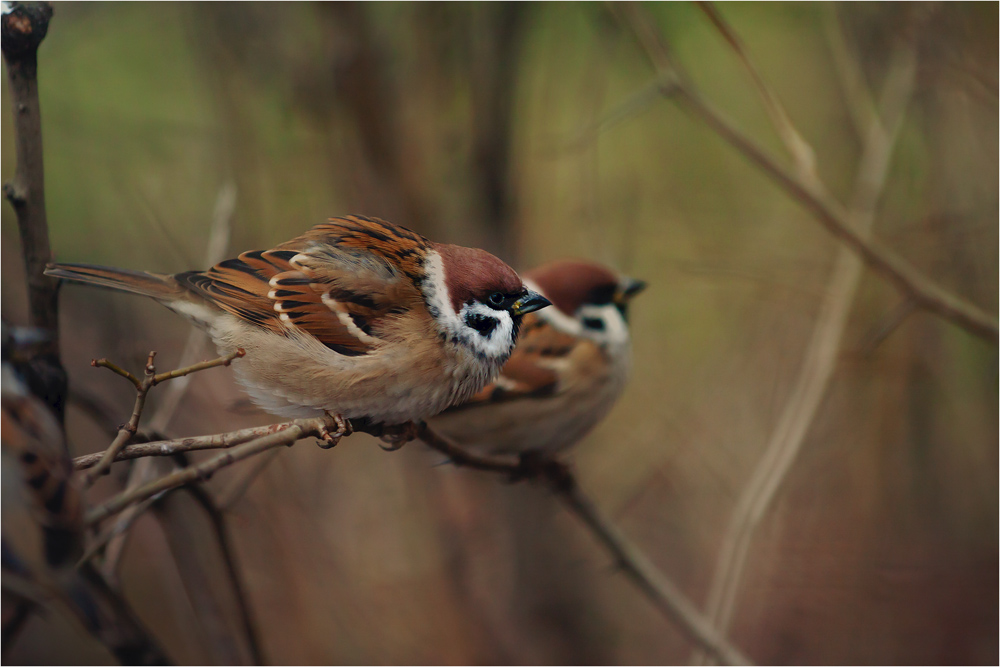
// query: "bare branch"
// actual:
[[318, 426], [238, 487], [201, 366], [189, 444], [802, 153], [197, 341], [116, 369], [815, 198], [151, 379], [23, 28], [129, 429], [821, 354]]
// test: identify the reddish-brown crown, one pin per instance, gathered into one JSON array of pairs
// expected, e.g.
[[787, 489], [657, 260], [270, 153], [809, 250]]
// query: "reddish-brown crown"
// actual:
[[570, 283], [471, 273]]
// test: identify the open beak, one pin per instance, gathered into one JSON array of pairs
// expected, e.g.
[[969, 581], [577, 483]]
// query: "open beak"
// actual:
[[529, 303]]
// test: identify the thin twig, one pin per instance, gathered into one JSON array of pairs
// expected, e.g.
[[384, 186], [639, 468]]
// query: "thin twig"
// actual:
[[196, 344], [815, 198], [189, 444], [860, 104], [118, 370], [657, 587], [885, 326], [200, 366], [128, 429], [802, 153], [317, 426], [821, 354], [151, 379], [238, 487], [104, 540], [114, 537], [216, 517]]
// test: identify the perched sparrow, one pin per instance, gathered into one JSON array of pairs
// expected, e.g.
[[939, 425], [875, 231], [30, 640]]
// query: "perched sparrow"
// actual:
[[357, 317], [568, 369]]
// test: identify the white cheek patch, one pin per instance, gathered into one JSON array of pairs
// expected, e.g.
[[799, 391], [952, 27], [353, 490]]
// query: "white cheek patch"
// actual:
[[613, 333], [498, 343]]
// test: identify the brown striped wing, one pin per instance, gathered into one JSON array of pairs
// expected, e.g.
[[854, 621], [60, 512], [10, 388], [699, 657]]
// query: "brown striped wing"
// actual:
[[340, 282]]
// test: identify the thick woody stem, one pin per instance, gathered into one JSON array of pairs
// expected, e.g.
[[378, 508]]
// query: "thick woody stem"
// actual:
[[23, 27]]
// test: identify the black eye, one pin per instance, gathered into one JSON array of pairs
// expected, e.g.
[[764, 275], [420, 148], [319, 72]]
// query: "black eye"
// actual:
[[594, 323], [496, 299]]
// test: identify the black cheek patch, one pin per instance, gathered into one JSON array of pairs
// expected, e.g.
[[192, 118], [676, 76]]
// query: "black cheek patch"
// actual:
[[593, 323], [481, 323]]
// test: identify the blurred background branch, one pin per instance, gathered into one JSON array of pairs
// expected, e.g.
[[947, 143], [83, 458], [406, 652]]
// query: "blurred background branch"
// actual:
[[808, 190], [819, 362]]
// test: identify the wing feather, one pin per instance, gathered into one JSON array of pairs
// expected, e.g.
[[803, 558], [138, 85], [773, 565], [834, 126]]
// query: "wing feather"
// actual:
[[338, 282]]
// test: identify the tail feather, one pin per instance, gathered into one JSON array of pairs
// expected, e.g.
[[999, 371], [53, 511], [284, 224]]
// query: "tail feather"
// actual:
[[153, 285]]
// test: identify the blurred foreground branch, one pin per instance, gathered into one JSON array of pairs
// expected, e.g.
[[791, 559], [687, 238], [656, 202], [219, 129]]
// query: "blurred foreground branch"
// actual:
[[801, 184], [23, 27]]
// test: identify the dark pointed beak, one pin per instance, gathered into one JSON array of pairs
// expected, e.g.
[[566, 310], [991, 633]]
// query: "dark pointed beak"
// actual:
[[628, 289], [529, 303]]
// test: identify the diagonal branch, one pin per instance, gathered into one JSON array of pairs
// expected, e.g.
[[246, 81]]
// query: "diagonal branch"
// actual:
[[834, 217], [802, 153], [188, 444], [657, 587], [317, 426]]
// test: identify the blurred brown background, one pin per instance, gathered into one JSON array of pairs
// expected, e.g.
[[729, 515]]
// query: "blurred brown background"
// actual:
[[473, 124]]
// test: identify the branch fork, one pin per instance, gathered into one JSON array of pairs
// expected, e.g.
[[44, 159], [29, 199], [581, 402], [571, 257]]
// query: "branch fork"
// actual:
[[150, 379]]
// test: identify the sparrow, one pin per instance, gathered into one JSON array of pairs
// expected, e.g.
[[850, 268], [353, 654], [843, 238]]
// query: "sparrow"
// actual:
[[568, 369], [358, 317]]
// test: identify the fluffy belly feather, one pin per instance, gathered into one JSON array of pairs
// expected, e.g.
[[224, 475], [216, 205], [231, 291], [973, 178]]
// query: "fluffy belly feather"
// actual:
[[394, 383]]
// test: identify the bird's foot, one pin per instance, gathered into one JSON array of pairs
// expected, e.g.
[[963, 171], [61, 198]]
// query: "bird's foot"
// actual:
[[330, 439], [397, 435]]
